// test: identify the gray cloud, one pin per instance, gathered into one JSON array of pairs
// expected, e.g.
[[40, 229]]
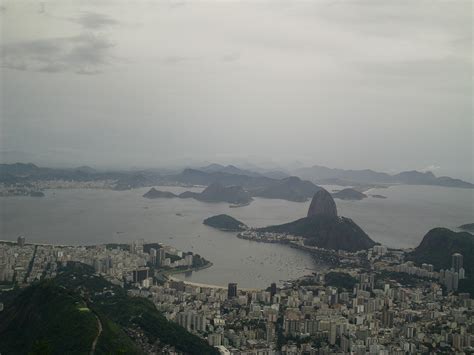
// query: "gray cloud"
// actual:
[[85, 53], [176, 59], [231, 57], [95, 21]]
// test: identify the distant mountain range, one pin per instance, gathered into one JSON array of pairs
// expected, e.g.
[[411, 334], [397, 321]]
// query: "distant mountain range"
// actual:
[[298, 186], [324, 175]]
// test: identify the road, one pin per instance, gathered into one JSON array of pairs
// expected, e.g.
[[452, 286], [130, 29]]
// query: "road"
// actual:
[[94, 343]]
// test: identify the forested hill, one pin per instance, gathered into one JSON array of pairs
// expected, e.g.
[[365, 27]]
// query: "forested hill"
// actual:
[[79, 311]]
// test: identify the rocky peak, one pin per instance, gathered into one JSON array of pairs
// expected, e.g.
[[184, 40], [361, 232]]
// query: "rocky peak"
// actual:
[[322, 204]]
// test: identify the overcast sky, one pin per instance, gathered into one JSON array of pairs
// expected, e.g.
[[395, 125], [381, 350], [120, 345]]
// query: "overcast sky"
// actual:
[[375, 84]]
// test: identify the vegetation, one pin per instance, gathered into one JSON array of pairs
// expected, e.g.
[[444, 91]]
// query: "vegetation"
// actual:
[[439, 244], [401, 277], [466, 286], [61, 316], [341, 280], [225, 222], [47, 318]]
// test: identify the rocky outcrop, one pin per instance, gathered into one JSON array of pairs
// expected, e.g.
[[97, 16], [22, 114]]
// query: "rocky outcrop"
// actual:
[[322, 204], [324, 229]]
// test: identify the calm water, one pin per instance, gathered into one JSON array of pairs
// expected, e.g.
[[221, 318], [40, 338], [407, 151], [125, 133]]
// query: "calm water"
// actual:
[[98, 216]]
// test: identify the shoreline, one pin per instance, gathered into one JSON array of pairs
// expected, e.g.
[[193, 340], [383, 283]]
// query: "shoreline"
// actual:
[[203, 285], [167, 273]]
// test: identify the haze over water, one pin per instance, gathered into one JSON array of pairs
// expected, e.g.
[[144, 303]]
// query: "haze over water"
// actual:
[[103, 216]]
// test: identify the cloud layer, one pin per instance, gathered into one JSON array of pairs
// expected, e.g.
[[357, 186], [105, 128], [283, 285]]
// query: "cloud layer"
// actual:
[[82, 54], [356, 84]]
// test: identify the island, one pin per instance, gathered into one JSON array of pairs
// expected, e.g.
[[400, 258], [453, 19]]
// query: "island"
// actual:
[[226, 223], [349, 194], [378, 196], [154, 193], [216, 192]]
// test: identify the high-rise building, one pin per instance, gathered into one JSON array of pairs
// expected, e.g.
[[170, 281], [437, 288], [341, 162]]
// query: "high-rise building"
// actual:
[[273, 289], [153, 254], [161, 256], [232, 290], [21, 241], [137, 246], [387, 317], [456, 262], [140, 274]]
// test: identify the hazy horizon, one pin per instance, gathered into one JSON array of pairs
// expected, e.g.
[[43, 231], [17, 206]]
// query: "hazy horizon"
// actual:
[[354, 85]]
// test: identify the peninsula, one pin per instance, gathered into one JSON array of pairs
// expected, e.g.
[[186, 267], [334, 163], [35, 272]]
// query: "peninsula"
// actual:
[[324, 228]]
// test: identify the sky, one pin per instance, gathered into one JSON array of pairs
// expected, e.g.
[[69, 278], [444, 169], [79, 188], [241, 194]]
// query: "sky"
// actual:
[[353, 84]]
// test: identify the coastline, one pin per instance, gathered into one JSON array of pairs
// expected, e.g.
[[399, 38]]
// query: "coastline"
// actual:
[[198, 284], [183, 271]]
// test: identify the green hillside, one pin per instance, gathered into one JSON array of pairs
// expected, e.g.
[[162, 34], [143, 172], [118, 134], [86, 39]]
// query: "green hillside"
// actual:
[[439, 244], [62, 316], [47, 318]]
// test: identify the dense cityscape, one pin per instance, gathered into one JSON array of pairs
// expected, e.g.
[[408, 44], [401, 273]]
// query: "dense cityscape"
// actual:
[[371, 303]]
